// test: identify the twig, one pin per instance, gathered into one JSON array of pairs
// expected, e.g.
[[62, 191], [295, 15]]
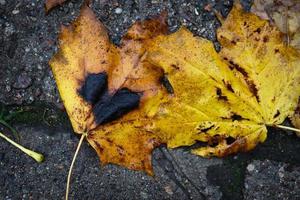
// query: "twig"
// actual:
[[36, 156]]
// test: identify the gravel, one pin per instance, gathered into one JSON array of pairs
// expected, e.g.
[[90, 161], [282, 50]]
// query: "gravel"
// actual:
[[272, 180], [28, 39]]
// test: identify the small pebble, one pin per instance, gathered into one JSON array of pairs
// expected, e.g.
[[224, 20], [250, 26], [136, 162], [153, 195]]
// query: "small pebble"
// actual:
[[118, 10], [169, 190], [250, 167], [8, 88], [15, 12], [196, 11]]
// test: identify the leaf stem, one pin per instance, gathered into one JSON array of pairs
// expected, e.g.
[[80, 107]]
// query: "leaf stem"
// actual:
[[36, 156], [72, 165], [287, 128]]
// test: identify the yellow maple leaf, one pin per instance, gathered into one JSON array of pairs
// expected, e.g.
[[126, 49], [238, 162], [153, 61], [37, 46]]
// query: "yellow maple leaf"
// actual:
[[286, 16], [99, 82], [226, 99], [50, 4]]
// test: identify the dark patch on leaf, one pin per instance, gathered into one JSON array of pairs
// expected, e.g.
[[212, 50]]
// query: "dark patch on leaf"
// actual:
[[237, 117], [265, 39], [109, 141], [220, 95], [276, 50], [93, 87], [277, 114], [175, 66], [230, 140], [204, 130], [253, 89], [250, 83], [113, 107], [106, 107], [258, 30], [99, 146], [166, 83], [238, 68], [229, 87], [120, 150], [215, 140]]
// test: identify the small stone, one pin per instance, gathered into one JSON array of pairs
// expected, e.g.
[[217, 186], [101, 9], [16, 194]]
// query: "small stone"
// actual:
[[39, 67], [23, 81], [169, 190], [196, 11], [15, 12], [27, 49], [8, 88], [250, 167], [118, 10], [281, 172], [31, 99]]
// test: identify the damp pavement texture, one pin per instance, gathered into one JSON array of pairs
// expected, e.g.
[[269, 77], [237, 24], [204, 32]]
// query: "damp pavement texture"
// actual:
[[28, 39]]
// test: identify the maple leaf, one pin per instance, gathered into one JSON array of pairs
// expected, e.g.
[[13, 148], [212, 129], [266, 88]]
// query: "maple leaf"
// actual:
[[267, 52], [285, 15], [226, 99], [99, 82], [49, 4]]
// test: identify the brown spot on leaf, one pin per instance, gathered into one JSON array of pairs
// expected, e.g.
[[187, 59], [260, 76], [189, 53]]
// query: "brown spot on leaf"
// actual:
[[204, 130], [229, 87], [238, 68], [175, 66], [220, 95], [277, 114], [235, 117], [230, 140], [166, 83], [258, 30], [98, 146], [265, 39], [253, 89]]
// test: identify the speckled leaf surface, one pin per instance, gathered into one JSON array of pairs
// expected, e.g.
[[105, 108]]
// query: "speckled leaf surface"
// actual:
[[100, 82], [226, 99]]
